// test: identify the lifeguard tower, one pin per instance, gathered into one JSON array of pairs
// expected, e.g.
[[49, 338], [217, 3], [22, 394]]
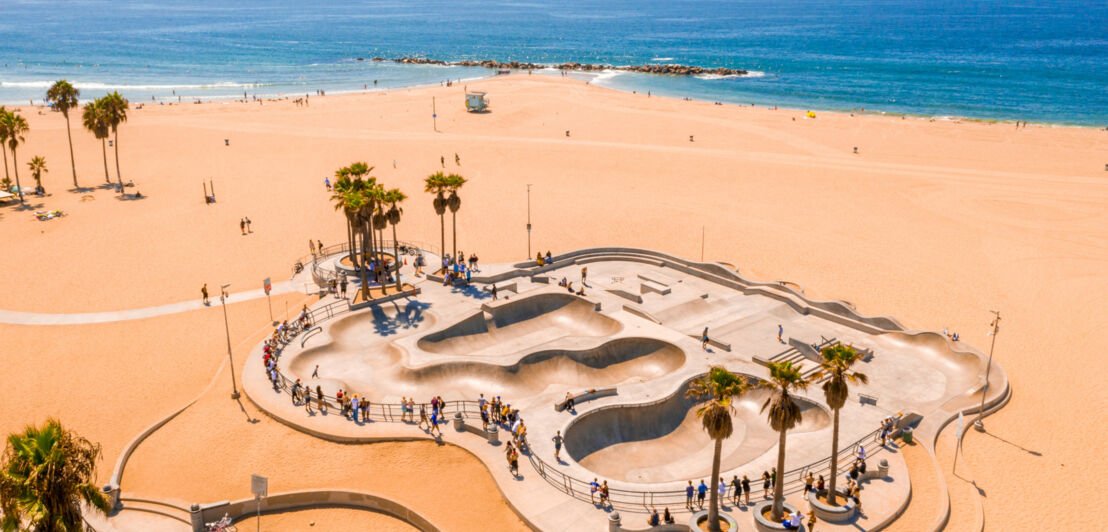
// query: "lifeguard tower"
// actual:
[[477, 101]]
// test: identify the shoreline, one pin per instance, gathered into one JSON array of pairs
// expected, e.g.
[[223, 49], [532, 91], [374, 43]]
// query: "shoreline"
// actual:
[[582, 75]]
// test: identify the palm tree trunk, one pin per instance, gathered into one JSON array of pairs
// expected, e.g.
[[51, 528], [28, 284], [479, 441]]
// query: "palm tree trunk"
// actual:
[[117, 174], [454, 229], [104, 149], [15, 167], [4, 149], [442, 238], [713, 500], [834, 461], [72, 161], [396, 251], [365, 277], [779, 485], [350, 248], [384, 263]]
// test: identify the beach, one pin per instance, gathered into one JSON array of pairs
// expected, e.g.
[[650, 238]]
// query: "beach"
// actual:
[[935, 222]]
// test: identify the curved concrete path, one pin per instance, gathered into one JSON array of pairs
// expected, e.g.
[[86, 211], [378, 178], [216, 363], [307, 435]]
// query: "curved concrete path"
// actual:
[[13, 317]]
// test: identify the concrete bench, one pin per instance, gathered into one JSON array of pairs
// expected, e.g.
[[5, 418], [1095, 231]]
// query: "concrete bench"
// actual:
[[656, 278], [866, 398], [585, 396], [626, 295], [713, 342]]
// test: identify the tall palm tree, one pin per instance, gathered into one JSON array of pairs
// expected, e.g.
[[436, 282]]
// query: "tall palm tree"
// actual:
[[95, 120], [343, 186], [783, 414], [15, 128], [4, 143], [837, 361], [38, 167], [394, 197], [454, 183], [719, 388], [436, 184], [64, 97], [46, 473], [378, 223], [115, 112]]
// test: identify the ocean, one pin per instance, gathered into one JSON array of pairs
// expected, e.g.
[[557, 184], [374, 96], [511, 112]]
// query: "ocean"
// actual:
[[1041, 61]]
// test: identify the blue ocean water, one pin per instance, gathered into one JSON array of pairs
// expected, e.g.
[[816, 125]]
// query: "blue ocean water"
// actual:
[[1044, 61]]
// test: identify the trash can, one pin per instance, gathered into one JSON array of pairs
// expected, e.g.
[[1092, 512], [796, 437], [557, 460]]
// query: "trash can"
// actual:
[[906, 434]]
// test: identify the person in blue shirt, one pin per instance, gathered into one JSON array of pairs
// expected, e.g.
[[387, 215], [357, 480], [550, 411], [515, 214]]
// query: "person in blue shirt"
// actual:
[[701, 491], [688, 495]]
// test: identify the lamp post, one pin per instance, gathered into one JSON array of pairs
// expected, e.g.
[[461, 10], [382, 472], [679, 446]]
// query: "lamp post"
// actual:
[[528, 220], [979, 424], [226, 327]]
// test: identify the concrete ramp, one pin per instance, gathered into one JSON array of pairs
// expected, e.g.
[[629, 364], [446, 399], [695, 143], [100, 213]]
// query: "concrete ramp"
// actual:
[[551, 313]]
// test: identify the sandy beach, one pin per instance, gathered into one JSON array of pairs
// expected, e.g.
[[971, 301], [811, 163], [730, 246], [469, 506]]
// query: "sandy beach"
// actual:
[[935, 222]]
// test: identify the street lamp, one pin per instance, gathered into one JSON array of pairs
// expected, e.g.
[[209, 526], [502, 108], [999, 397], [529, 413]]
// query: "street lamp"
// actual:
[[528, 220], [979, 424], [223, 300]]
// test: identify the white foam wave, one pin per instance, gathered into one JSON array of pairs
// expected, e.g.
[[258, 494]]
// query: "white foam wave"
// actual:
[[605, 76], [93, 85], [749, 74], [661, 59]]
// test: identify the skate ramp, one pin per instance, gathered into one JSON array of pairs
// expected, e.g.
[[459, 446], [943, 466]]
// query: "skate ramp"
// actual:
[[664, 441], [551, 314]]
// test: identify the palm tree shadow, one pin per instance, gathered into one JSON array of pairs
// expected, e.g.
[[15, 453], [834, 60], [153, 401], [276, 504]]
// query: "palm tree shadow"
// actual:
[[132, 197], [408, 317], [81, 190], [470, 290]]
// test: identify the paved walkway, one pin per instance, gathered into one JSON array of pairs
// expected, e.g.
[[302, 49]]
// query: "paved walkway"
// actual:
[[33, 318]]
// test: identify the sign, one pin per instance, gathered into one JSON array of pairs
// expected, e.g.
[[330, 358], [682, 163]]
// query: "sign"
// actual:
[[267, 286], [258, 485]]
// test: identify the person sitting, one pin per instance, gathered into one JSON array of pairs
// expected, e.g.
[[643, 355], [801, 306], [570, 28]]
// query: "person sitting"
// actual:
[[569, 402], [668, 517], [654, 520], [538, 258], [549, 259], [581, 291], [562, 282], [569, 286]]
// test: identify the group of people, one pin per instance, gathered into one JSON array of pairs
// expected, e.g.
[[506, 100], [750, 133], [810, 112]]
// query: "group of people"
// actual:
[[458, 268], [739, 490], [244, 225], [501, 413], [541, 260]]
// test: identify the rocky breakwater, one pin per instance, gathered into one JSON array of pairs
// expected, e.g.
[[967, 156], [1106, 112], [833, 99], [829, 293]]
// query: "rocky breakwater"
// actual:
[[670, 69]]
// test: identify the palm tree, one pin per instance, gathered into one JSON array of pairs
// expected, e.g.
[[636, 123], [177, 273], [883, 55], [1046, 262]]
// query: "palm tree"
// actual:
[[38, 167], [783, 415], [436, 184], [454, 183], [96, 122], [343, 186], [394, 197], [837, 361], [115, 112], [45, 475], [719, 387], [14, 129], [3, 145], [378, 222], [64, 97]]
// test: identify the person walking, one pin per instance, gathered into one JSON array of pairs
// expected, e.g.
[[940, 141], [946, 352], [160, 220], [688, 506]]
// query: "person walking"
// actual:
[[204, 293], [704, 339], [315, 372], [594, 487], [342, 286], [494, 292], [557, 439], [242, 225], [423, 416], [248, 228], [319, 244], [457, 160], [442, 161], [780, 332], [722, 490]]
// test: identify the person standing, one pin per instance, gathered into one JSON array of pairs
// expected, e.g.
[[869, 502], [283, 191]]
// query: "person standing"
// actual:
[[704, 339], [204, 293], [242, 225], [342, 286], [494, 292], [701, 491], [442, 161], [584, 269], [319, 244], [594, 487], [689, 495], [808, 480], [248, 228], [765, 484], [746, 490], [557, 439], [780, 332], [737, 488]]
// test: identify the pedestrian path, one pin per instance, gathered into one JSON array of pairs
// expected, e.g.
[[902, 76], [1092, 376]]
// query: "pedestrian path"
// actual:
[[33, 318]]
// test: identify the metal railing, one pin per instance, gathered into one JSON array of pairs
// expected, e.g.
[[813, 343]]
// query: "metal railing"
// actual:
[[644, 500], [323, 277]]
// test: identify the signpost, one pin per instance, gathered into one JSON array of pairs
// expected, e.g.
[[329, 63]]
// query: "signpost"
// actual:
[[267, 286], [259, 486]]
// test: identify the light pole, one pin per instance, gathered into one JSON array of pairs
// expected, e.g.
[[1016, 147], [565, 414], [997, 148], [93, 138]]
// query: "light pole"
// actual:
[[979, 424], [227, 328], [528, 220]]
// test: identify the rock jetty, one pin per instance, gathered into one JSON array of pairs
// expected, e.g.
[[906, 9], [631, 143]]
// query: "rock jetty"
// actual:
[[671, 69]]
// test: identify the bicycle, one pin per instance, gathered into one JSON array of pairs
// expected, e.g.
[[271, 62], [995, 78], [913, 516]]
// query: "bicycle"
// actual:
[[223, 525]]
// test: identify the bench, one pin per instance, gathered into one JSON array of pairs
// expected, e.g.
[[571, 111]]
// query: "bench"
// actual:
[[651, 286], [866, 398]]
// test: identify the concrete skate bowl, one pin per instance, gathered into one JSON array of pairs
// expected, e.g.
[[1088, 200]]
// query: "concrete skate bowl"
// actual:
[[958, 366], [551, 313], [611, 363], [664, 441]]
